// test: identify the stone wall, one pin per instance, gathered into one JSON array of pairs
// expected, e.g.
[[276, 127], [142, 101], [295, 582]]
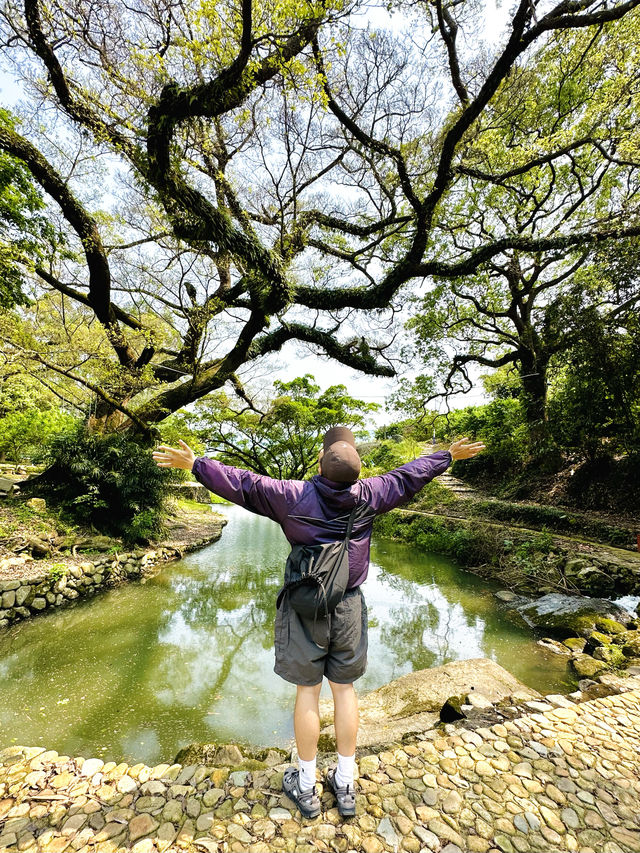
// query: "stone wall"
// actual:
[[28, 596], [192, 491]]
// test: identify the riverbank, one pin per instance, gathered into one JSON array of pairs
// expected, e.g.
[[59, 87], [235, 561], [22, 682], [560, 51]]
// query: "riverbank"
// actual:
[[556, 779], [45, 563], [523, 559]]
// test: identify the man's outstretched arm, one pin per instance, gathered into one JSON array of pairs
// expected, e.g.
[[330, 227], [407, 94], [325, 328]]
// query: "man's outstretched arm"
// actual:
[[262, 495], [390, 490]]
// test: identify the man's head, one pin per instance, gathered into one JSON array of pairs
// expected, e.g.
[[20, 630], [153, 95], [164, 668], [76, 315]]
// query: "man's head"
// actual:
[[339, 460]]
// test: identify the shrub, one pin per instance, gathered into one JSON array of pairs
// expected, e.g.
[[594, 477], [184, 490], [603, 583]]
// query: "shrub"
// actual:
[[109, 482], [502, 426]]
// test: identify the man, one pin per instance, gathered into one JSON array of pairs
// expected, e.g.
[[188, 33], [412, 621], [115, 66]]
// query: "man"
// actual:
[[334, 645]]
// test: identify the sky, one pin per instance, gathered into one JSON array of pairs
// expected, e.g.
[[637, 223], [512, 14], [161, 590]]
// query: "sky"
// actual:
[[294, 360]]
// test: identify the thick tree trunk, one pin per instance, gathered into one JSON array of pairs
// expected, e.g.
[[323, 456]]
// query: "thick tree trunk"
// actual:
[[533, 374]]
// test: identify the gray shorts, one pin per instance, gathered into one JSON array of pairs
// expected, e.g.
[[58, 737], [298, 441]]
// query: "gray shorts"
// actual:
[[336, 648]]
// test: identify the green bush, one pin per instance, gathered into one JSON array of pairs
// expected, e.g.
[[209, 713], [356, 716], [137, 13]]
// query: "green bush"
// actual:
[[26, 432], [108, 482], [502, 426]]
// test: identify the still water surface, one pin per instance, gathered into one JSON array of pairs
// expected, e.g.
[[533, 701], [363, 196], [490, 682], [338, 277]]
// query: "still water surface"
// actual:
[[139, 671]]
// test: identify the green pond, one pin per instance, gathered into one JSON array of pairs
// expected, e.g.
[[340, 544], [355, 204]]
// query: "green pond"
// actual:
[[139, 671]]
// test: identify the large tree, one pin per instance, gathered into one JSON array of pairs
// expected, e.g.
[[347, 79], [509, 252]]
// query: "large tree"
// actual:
[[285, 174]]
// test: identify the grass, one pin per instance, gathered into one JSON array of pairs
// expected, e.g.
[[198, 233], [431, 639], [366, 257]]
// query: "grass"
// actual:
[[194, 506]]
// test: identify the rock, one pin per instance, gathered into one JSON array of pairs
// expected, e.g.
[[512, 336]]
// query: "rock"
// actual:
[[478, 700], [507, 596], [554, 646], [565, 616], [239, 778], [91, 766], [412, 702], [8, 599], [611, 655], [142, 825], [585, 666], [626, 637], [452, 710], [227, 755], [576, 644], [595, 640], [38, 548], [279, 814], [368, 764], [6, 486], [385, 830], [632, 649], [559, 701], [609, 626], [39, 504]]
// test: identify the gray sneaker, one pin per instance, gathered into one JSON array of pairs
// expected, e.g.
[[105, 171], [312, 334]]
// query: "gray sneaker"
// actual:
[[346, 796], [307, 801]]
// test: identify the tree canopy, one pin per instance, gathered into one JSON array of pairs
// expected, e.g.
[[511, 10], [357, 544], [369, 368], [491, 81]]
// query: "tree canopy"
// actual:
[[223, 179]]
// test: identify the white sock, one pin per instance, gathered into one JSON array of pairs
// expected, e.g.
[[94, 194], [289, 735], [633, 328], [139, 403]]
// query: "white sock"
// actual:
[[344, 772], [307, 773]]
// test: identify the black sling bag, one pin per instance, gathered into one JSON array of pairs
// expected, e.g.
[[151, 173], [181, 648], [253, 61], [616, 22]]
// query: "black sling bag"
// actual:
[[316, 576]]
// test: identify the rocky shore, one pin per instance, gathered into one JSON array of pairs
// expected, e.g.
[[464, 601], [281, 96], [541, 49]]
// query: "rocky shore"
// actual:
[[29, 586], [562, 777]]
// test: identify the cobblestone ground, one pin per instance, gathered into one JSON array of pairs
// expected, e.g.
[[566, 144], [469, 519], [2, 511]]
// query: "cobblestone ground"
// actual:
[[566, 778]]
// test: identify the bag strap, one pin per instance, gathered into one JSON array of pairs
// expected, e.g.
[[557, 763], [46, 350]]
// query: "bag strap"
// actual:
[[352, 518]]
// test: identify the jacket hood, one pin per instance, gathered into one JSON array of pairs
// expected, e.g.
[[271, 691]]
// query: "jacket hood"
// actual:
[[336, 495]]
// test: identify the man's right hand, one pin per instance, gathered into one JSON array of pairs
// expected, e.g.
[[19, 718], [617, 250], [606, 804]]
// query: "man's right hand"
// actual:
[[460, 450], [175, 457]]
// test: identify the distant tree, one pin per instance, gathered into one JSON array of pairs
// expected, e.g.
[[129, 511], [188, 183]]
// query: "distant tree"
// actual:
[[594, 402], [26, 433], [280, 435]]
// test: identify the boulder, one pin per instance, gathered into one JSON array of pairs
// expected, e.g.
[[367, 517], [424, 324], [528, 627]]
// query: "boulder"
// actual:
[[38, 548], [554, 646], [631, 649], [6, 487], [452, 710], [507, 596], [609, 626], [576, 644], [611, 655], [595, 640], [39, 504], [626, 637], [584, 666], [569, 615], [412, 703]]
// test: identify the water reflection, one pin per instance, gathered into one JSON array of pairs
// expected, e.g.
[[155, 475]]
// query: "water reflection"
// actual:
[[139, 671]]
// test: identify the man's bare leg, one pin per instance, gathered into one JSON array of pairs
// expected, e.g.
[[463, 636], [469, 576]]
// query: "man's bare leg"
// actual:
[[306, 721], [345, 703], [300, 785]]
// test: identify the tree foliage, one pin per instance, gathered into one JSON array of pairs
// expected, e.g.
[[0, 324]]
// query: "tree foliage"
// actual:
[[23, 228], [280, 435], [110, 483], [24, 434]]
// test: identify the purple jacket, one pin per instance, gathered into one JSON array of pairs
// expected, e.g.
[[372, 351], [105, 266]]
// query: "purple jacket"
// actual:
[[315, 511]]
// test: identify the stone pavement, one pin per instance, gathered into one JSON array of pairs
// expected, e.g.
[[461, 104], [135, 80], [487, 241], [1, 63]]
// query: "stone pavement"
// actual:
[[566, 778]]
